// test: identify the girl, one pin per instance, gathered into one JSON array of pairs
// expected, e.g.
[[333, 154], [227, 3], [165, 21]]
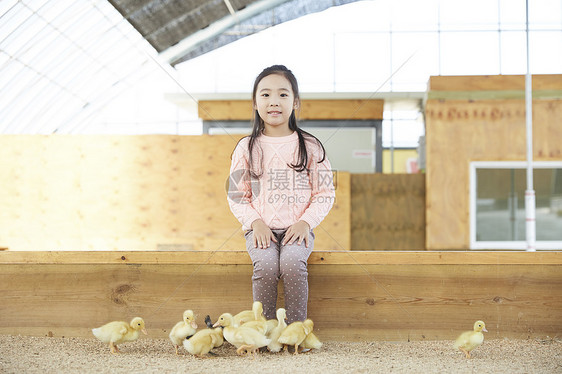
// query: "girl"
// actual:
[[280, 189]]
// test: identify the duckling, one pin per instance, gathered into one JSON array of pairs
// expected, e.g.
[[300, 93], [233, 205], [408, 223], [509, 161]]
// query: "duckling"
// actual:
[[295, 334], [243, 338], [270, 325], [259, 326], [219, 337], [203, 341], [275, 346], [469, 340], [260, 322], [310, 342], [183, 329], [118, 332], [248, 315]]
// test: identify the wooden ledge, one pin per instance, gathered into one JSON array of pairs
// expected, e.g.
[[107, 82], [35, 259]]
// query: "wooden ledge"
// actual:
[[317, 257], [384, 295]]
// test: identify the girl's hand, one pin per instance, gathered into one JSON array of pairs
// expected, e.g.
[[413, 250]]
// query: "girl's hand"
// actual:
[[297, 232], [262, 234]]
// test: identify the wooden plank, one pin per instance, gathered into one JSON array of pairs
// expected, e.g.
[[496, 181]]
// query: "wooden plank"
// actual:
[[380, 301], [316, 258], [225, 110], [411, 302], [341, 109], [241, 110], [492, 95], [98, 293], [388, 211], [493, 82]]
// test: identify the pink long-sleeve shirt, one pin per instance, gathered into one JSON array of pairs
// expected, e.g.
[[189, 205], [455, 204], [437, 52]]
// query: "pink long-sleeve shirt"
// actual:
[[281, 196]]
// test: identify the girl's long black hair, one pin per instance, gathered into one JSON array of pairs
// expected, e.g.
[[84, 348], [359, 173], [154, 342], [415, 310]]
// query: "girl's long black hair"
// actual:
[[258, 124]]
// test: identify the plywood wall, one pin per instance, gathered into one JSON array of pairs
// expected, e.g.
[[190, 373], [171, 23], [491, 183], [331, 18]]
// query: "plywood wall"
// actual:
[[65, 192], [480, 127], [388, 211]]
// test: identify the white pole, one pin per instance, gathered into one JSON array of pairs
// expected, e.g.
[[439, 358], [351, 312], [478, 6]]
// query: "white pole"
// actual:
[[530, 204]]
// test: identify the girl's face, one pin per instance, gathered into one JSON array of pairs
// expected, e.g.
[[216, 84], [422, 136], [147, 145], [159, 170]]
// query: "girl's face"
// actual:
[[275, 102]]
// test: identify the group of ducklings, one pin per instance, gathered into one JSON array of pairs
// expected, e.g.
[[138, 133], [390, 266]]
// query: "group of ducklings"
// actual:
[[248, 331]]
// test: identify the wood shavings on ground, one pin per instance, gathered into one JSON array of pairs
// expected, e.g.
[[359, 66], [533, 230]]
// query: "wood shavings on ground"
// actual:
[[23, 354]]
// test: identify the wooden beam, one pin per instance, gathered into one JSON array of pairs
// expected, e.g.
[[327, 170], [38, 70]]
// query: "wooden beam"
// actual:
[[342, 257], [225, 110], [383, 295], [241, 110], [359, 109], [493, 82], [493, 95]]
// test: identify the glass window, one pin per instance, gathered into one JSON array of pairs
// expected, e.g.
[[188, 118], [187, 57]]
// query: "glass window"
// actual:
[[28, 29], [6, 5], [415, 56], [360, 65], [545, 14], [457, 48], [513, 52], [43, 88], [377, 14], [546, 52], [468, 15], [498, 204], [420, 15], [356, 47], [512, 14], [401, 133]]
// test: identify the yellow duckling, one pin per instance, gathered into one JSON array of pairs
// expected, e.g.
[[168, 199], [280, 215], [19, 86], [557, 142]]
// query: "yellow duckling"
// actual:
[[260, 322], [184, 328], [203, 341], [311, 342], [469, 340], [248, 315], [259, 326], [270, 325], [243, 338], [219, 337], [296, 333], [118, 332], [275, 346]]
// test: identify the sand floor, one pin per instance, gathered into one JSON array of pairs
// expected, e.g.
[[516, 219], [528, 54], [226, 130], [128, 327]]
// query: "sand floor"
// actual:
[[22, 354]]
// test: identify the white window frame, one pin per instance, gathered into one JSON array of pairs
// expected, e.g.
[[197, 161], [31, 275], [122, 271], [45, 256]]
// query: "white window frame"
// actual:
[[508, 245]]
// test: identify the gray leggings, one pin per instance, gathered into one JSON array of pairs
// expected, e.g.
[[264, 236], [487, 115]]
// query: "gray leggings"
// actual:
[[286, 262]]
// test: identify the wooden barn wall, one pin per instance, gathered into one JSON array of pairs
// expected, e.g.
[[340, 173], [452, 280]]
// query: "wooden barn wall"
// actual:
[[480, 119], [74, 192], [388, 211], [383, 295]]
